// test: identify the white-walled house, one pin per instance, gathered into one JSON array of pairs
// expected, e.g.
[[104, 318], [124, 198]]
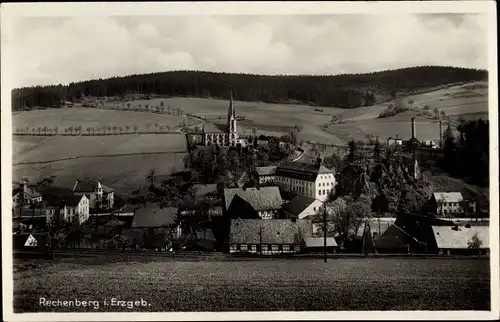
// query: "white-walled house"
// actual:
[[100, 196], [24, 195], [302, 207], [445, 203], [312, 180], [266, 174], [71, 209]]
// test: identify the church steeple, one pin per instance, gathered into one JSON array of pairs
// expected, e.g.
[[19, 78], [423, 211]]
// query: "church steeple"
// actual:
[[231, 113]]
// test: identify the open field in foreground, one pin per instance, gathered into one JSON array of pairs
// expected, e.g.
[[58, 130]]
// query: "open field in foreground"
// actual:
[[280, 284]]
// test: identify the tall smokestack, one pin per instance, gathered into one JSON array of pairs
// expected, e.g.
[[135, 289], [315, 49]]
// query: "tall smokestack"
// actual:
[[413, 127]]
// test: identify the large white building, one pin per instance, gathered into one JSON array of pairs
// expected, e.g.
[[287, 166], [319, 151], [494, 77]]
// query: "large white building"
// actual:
[[313, 180], [220, 134], [100, 196]]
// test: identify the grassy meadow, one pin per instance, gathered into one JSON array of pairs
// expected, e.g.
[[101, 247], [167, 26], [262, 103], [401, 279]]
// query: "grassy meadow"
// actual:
[[275, 285]]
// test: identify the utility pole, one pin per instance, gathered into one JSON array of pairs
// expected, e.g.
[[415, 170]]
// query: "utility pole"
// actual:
[[325, 228]]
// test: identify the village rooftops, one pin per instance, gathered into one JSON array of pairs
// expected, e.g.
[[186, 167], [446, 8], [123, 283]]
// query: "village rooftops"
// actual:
[[376, 225], [31, 193], [265, 198], [214, 128], [459, 237], [448, 196], [154, 216], [71, 201], [298, 204], [266, 171], [275, 231], [301, 171], [89, 186]]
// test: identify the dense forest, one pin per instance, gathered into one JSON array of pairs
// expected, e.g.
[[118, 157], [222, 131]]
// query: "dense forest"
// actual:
[[345, 91], [467, 154]]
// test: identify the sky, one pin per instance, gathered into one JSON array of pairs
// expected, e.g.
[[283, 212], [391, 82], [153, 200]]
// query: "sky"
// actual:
[[53, 50]]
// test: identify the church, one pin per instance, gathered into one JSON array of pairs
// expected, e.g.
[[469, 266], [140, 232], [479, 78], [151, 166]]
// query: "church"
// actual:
[[222, 134]]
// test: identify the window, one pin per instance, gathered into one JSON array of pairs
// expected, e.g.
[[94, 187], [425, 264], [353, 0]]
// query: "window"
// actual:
[[269, 247], [237, 246]]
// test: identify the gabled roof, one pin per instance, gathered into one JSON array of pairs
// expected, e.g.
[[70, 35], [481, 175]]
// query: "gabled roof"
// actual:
[[301, 171], [298, 204], [448, 196], [31, 193], [89, 186], [72, 201], [266, 171], [272, 231], [154, 216], [394, 237], [448, 238], [375, 223], [265, 198], [320, 242]]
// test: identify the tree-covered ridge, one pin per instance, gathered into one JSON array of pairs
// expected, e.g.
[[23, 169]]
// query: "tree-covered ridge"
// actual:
[[346, 91]]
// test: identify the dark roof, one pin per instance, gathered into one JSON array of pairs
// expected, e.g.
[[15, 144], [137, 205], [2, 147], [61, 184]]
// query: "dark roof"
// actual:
[[393, 238], [207, 244], [265, 198], [274, 231], [89, 185], [298, 204], [27, 212], [72, 201], [301, 171], [214, 128], [154, 216], [266, 171]]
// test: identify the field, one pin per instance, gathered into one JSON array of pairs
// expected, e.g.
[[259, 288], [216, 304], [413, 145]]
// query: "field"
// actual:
[[90, 117], [274, 285]]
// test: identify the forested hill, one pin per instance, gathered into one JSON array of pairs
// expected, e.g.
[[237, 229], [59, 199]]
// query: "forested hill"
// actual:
[[347, 91]]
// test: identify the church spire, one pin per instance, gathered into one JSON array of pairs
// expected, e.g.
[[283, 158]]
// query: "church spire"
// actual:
[[231, 112]]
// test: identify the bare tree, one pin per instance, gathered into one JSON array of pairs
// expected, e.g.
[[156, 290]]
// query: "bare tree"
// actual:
[[127, 128]]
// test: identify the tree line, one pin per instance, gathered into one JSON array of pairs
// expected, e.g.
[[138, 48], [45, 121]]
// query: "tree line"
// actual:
[[345, 91]]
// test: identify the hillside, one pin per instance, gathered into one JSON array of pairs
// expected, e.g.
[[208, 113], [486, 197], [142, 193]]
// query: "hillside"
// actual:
[[344, 91]]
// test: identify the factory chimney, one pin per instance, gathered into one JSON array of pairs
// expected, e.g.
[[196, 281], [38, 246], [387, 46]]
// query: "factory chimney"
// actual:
[[413, 127]]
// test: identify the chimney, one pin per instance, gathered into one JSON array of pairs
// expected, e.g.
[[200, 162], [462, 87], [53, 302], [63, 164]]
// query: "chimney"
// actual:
[[397, 136], [413, 127], [23, 185]]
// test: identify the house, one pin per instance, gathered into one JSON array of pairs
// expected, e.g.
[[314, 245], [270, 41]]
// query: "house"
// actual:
[[376, 226], [268, 237], [74, 208], [317, 245], [154, 215], [222, 134], [24, 195], [265, 201], [100, 196], [446, 203], [266, 174], [312, 180], [459, 239], [302, 207]]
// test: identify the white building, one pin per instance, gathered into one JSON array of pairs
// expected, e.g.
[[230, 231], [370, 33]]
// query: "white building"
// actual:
[[100, 196], [223, 135], [72, 208], [446, 203], [302, 207], [312, 180], [24, 195], [266, 174]]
